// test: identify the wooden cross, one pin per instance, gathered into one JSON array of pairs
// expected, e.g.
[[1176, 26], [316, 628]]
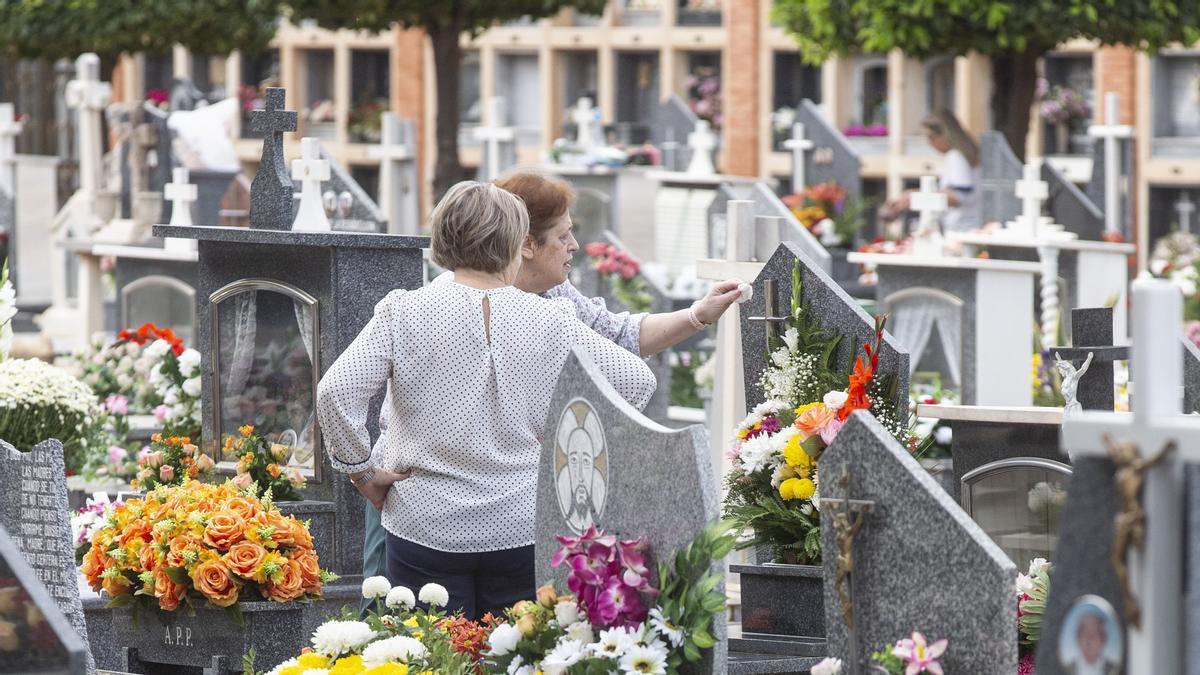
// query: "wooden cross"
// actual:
[[271, 192], [799, 145], [1113, 132], [846, 515], [311, 170], [492, 136], [1032, 191], [1150, 445]]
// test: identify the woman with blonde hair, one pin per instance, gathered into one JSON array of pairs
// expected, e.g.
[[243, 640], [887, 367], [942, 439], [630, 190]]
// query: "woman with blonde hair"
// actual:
[[470, 365], [959, 178]]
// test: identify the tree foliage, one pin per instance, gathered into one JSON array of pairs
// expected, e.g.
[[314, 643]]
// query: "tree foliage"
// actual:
[[67, 28]]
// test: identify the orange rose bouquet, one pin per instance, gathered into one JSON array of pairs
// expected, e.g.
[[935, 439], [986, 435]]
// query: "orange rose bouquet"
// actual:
[[170, 460], [199, 542], [258, 462]]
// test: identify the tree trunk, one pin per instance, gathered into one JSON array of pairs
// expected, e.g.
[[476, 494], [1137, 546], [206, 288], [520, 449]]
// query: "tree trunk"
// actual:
[[447, 58], [1014, 80]]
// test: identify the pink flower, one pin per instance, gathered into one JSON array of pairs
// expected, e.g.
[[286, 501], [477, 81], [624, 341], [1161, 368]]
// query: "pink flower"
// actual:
[[1193, 332], [160, 414], [117, 404], [116, 454], [919, 656], [1026, 665], [166, 472], [830, 430], [619, 605]]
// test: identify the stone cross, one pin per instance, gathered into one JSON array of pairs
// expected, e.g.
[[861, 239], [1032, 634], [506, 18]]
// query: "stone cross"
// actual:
[[271, 192], [1113, 132], [310, 170], [1150, 445], [397, 176], [799, 145], [928, 202], [181, 194], [1032, 191], [10, 128], [1092, 333], [584, 116], [771, 316], [846, 516], [88, 95], [492, 136], [702, 141], [1185, 207]]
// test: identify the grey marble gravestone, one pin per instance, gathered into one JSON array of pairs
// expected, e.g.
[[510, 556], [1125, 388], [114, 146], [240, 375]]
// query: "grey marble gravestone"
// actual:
[[1095, 185], [920, 562], [670, 124], [832, 158], [58, 651], [271, 191], [646, 480], [837, 312], [33, 508], [1000, 170]]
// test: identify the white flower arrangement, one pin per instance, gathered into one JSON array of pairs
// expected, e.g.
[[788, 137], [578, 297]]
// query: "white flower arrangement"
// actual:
[[400, 597], [434, 595], [397, 648], [39, 401], [335, 638], [375, 587], [8, 309]]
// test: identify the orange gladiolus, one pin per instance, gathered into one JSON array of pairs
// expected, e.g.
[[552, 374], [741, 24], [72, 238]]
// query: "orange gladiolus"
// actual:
[[858, 399]]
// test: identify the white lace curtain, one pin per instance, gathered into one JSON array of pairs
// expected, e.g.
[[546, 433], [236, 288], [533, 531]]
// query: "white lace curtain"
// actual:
[[916, 315]]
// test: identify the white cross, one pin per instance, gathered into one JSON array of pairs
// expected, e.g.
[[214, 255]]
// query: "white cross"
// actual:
[[799, 145], [1032, 191], [1185, 207], [9, 129], [1156, 575], [493, 135], [397, 196], [702, 141], [584, 116], [729, 387], [310, 170], [87, 94], [929, 202], [1112, 131], [181, 194]]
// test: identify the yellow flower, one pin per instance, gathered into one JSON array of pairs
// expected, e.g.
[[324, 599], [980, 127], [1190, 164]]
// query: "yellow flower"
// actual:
[[347, 665], [797, 488], [313, 660], [796, 456], [388, 669], [245, 430]]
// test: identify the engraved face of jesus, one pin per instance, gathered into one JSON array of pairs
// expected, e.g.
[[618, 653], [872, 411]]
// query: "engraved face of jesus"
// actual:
[[581, 466]]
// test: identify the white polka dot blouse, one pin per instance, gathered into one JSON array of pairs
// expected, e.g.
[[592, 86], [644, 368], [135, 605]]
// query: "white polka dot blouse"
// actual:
[[465, 415]]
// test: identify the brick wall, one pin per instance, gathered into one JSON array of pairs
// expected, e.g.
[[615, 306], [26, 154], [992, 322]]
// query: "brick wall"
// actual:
[[740, 83], [408, 97], [1115, 71]]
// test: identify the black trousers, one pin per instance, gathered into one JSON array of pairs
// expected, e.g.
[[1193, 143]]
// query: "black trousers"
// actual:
[[478, 583]]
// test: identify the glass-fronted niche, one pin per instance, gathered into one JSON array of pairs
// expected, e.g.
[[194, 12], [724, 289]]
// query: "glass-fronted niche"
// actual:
[[1175, 103], [1018, 501], [794, 82], [265, 338]]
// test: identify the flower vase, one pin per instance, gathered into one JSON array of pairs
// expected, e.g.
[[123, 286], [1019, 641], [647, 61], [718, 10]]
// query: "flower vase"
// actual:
[[1062, 139]]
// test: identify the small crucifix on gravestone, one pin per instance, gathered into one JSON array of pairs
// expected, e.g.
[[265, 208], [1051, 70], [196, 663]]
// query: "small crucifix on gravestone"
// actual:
[[799, 147], [847, 516], [772, 318], [1092, 338], [1185, 207], [584, 116], [492, 136], [1032, 191], [271, 192], [1148, 448], [928, 203], [1113, 132], [310, 170], [702, 142]]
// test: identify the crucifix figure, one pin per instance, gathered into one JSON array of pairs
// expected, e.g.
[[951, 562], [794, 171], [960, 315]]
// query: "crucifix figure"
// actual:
[[271, 192], [1113, 132], [492, 136], [702, 142], [1154, 572], [846, 516], [1032, 191], [1070, 382], [799, 146], [1185, 207], [310, 170], [928, 202]]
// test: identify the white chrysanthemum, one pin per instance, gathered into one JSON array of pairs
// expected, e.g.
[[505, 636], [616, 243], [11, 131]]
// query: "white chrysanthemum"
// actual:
[[834, 400], [829, 666], [645, 660], [400, 648], [434, 595], [943, 435], [613, 643], [564, 655], [189, 363], [400, 597], [158, 348], [375, 587], [337, 638], [673, 634], [191, 386], [504, 639], [582, 632], [1037, 565], [279, 668], [566, 612], [519, 667]]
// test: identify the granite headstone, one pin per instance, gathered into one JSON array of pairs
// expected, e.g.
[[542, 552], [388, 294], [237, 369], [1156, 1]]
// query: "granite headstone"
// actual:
[[1094, 190], [271, 192], [832, 306], [646, 480], [919, 562], [33, 508], [45, 642], [670, 124], [832, 157]]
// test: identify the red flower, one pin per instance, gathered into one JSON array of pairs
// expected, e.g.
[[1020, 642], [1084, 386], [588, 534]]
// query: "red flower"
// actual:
[[860, 379]]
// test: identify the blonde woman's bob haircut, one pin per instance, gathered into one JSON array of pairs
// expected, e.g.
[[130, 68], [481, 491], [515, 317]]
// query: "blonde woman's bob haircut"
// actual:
[[478, 226]]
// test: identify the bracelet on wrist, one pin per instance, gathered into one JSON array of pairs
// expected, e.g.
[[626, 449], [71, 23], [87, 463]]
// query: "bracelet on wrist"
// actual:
[[364, 478], [694, 319]]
